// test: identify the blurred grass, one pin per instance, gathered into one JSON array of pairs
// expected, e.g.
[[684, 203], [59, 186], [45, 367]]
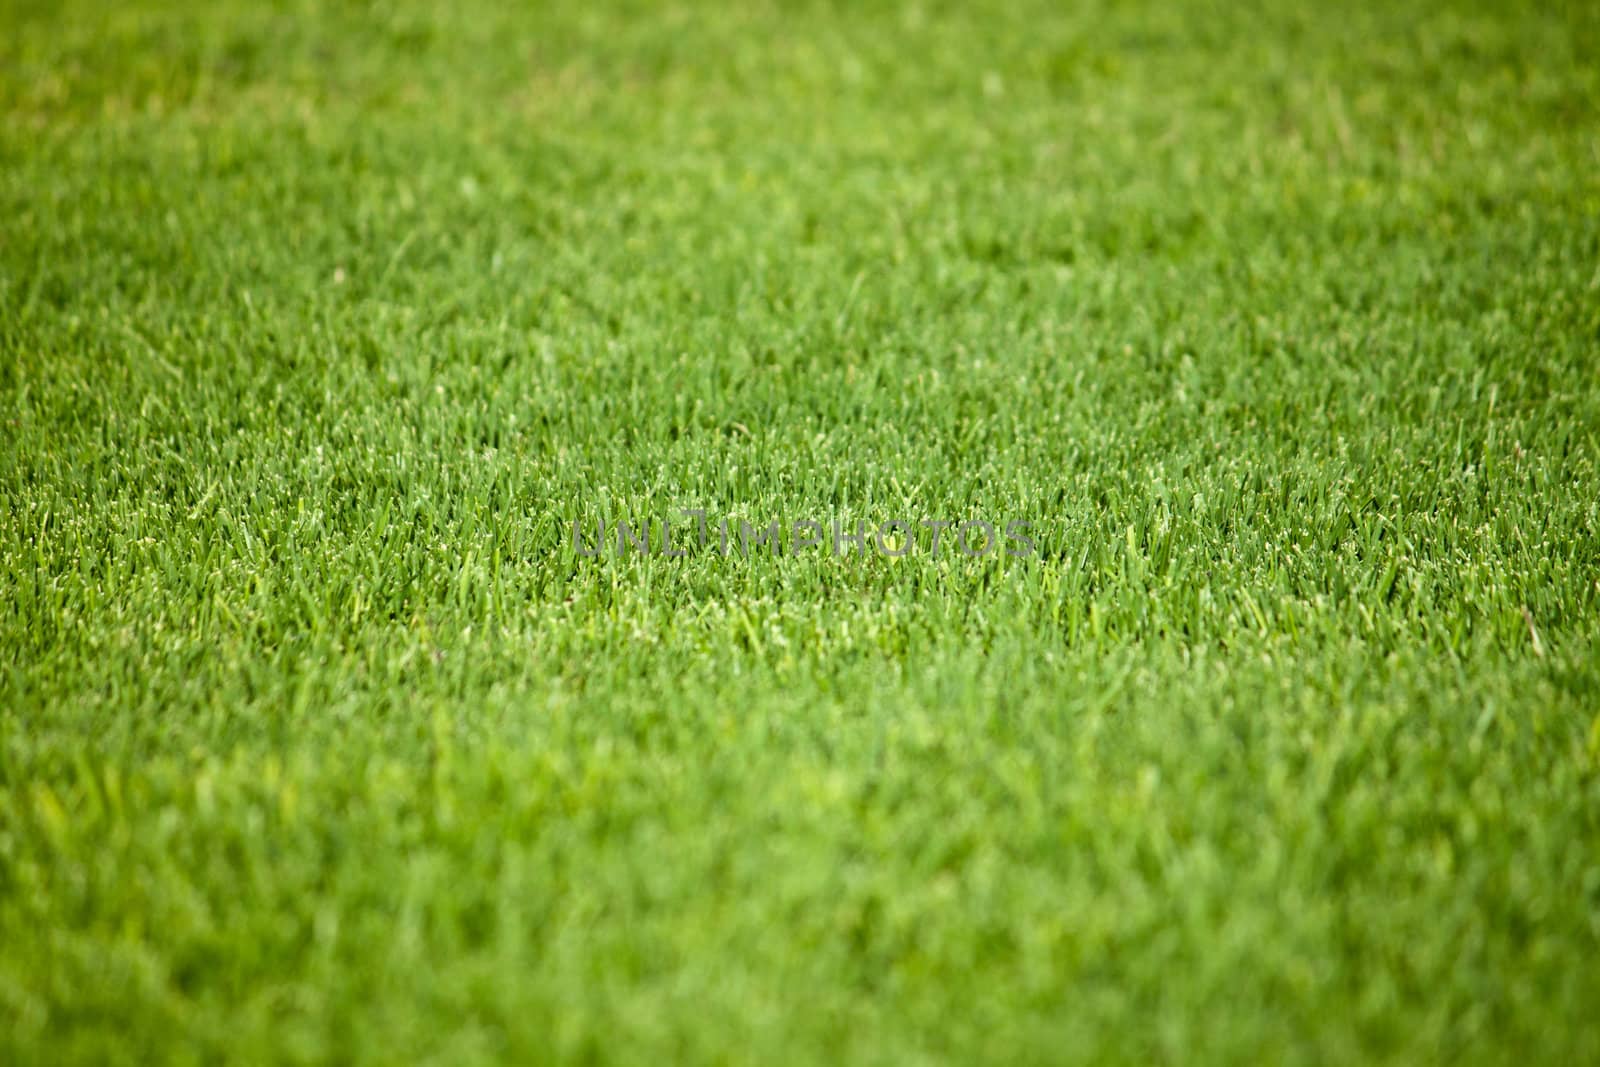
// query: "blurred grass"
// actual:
[[323, 323]]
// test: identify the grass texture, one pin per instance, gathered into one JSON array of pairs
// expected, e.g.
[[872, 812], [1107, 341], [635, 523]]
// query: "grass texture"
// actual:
[[322, 324]]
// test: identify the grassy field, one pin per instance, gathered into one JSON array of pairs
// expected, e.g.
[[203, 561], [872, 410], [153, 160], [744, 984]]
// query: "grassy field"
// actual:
[[321, 326]]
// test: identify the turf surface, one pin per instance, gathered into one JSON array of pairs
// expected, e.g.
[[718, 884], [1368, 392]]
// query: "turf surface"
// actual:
[[320, 327]]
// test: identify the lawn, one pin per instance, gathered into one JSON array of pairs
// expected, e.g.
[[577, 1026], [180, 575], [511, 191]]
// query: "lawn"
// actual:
[[1271, 330]]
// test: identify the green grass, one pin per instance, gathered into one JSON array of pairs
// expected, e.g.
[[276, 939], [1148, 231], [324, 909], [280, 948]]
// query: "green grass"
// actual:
[[321, 325]]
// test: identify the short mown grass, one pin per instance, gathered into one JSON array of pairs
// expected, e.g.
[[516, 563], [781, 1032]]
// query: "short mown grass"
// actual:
[[322, 325]]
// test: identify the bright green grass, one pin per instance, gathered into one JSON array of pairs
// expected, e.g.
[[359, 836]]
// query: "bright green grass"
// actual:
[[318, 327]]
